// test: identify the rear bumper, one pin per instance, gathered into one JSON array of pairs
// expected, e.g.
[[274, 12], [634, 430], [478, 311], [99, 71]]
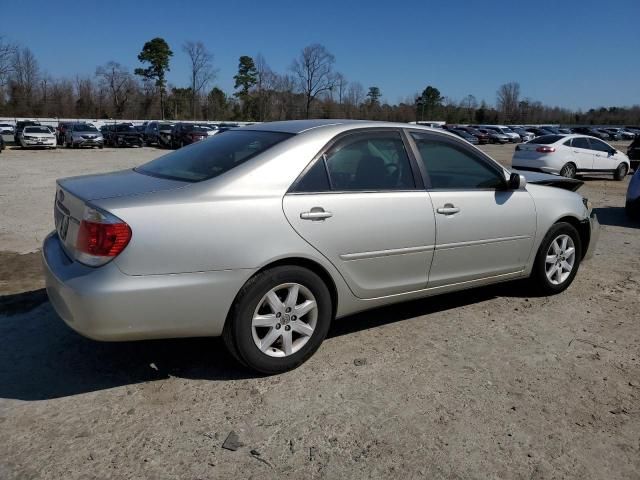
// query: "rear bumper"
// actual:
[[105, 304]]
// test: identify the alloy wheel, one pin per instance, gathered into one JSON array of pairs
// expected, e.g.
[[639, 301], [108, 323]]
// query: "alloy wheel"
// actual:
[[560, 260], [284, 320]]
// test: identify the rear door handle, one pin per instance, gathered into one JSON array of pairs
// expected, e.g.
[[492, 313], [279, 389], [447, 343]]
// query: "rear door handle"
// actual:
[[315, 214], [448, 209]]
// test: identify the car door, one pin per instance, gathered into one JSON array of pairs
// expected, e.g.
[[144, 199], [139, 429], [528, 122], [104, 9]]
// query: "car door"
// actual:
[[482, 228], [582, 153], [603, 159], [362, 205]]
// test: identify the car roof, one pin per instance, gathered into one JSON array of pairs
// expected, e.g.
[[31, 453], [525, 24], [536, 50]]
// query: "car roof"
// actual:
[[300, 126]]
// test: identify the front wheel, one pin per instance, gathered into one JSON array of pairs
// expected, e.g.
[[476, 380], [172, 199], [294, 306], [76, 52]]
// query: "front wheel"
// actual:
[[558, 259], [279, 319], [621, 172]]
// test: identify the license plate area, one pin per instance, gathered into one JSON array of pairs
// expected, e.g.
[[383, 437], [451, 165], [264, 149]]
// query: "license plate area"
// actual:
[[61, 220]]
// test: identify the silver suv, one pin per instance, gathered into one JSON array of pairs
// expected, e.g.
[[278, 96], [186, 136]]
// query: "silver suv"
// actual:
[[83, 135]]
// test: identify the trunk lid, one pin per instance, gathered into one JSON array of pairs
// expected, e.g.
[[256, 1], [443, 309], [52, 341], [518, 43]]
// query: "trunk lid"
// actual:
[[74, 193]]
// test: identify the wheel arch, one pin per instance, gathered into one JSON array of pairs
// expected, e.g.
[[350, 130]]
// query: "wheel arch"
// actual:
[[583, 230], [307, 263]]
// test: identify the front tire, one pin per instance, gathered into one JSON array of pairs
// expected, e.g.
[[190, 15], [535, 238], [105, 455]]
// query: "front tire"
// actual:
[[279, 319], [558, 259], [620, 172]]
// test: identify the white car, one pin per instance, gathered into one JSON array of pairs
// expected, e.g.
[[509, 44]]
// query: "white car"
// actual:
[[37, 136], [570, 155]]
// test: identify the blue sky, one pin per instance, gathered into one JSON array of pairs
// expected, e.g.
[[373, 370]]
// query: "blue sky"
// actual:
[[578, 54]]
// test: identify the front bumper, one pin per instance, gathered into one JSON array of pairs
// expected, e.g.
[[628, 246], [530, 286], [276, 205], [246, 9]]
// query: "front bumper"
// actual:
[[594, 235], [84, 142], [36, 143], [105, 304]]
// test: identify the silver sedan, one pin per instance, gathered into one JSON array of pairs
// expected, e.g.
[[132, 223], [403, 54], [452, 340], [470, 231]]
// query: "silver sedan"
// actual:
[[267, 233]]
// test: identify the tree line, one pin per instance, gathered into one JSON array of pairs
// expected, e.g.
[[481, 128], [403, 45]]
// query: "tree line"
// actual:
[[310, 88]]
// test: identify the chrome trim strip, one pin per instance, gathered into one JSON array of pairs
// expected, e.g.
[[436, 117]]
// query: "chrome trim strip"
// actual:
[[385, 253], [481, 242]]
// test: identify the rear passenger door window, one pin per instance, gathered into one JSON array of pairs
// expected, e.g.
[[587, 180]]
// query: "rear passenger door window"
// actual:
[[580, 142], [450, 166], [375, 161]]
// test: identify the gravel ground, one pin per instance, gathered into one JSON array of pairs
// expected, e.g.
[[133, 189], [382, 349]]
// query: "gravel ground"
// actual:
[[489, 383]]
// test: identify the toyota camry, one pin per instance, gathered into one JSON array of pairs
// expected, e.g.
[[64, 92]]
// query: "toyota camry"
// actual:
[[265, 234]]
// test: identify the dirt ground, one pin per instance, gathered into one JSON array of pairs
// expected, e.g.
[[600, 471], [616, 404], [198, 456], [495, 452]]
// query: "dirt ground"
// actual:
[[488, 383]]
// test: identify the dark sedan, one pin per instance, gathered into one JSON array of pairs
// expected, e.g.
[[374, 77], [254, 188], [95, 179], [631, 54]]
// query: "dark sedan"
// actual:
[[464, 134], [184, 134], [123, 135]]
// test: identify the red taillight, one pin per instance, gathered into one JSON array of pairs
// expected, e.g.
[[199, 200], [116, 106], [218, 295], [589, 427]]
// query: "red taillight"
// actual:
[[545, 149], [103, 239]]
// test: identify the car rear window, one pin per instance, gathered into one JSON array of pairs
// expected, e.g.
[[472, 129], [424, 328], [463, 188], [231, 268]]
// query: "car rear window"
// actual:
[[547, 139], [213, 157]]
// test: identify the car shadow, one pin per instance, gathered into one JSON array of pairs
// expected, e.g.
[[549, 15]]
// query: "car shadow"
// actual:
[[41, 358], [615, 217]]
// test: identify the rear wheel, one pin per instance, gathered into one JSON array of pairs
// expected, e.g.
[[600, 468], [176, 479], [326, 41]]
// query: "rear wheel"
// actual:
[[620, 172], [568, 170], [558, 259], [279, 319]]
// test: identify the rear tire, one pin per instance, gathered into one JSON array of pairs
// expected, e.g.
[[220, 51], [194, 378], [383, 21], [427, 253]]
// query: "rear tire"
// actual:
[[621, 172], [264, 346], [559, 250], [568, 170]]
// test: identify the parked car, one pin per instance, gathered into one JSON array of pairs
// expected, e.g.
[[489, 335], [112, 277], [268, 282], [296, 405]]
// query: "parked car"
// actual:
[[80, 135], [61, 131], [158, 133], [512, 136], [494, 136], [592, 132], [464, 134], [483, 138], [565, 131], [122, 135], [570, 155], [6, 129], [633, 152], [20, 125], [539, 132], [632, 203], [261, 234], [183, 134], [37, 136], [619, 133], [525, 136]]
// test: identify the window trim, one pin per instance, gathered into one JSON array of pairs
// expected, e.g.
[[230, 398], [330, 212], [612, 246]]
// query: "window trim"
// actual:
[[474, 152], [321, 156]]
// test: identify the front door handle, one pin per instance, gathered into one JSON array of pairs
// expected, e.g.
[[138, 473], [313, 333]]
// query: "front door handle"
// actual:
[[448, 209], [315, 214]]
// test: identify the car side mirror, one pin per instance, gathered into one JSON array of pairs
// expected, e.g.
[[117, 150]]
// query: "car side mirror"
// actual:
[[516, 181], [612, 151]]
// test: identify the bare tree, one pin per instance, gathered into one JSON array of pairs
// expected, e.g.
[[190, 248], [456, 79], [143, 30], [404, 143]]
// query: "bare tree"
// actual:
[[23, 80], [314, 69], [340, 85], [120, 84], [264, 87], [7, 52], [202, 72], [469, 103], [354, 97], [507, 99]]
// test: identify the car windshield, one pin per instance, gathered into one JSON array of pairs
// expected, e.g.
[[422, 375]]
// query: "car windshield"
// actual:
[[506, 130], [219, 154], [546, 139], [126, 128], [85, 127], [36, 130]]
